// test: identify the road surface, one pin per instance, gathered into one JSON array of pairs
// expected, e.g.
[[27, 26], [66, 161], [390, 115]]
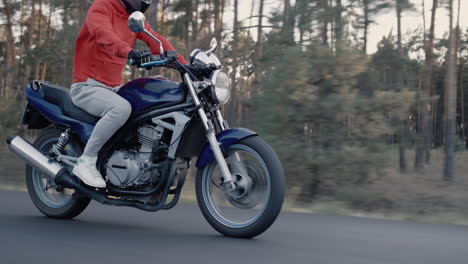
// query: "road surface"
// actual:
[[105, 234]]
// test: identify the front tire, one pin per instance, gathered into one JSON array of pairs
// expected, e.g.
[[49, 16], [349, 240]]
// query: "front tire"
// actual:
[[52, 202], [244, 217]]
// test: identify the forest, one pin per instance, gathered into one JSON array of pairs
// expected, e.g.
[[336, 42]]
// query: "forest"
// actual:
[[340, 117]]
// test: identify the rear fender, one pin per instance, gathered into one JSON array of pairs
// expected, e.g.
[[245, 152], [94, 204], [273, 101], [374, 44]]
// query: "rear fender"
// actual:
[[33, 119], [226, 138]]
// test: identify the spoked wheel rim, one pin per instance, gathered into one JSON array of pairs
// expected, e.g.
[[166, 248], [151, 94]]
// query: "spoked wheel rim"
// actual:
[[247, 204], [48, 192]]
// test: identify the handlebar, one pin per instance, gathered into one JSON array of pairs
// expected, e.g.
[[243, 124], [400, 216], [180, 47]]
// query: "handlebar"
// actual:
[[154, 63], [158, 60], [168, 59]]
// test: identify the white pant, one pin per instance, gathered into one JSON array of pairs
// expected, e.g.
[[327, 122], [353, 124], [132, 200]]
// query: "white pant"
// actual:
[[100, 100]]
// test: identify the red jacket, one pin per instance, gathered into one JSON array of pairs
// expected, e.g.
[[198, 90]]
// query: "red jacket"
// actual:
[[104, 42]]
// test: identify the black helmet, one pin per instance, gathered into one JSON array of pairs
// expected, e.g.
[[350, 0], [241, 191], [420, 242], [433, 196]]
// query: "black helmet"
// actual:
[[136, 5]]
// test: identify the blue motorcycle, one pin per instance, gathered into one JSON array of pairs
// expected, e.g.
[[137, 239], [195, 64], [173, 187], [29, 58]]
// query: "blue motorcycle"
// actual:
[[240, 180]]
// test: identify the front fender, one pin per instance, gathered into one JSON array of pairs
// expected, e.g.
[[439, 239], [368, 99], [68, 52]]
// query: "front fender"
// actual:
[[225, 138]]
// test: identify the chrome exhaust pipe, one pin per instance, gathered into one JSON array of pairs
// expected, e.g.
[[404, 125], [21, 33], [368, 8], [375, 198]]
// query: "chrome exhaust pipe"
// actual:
[[23, 149]]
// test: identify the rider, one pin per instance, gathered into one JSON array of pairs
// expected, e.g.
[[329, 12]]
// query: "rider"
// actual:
[[102, 48]]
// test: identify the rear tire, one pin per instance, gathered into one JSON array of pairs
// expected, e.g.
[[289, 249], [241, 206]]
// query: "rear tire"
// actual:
[[273, 204], [73, 205]]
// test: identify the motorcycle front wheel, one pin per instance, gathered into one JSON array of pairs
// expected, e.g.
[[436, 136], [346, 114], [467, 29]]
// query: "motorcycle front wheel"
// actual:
[[256, 203]]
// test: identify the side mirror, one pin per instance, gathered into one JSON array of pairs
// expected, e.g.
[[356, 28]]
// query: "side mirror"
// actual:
[[213, 45], [136, 22]]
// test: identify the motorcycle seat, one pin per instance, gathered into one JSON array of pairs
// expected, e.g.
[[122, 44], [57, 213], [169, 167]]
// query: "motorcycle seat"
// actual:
[[60, 96]]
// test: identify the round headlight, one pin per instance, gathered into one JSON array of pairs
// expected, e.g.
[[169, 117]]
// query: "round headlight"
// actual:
[[221, 89]]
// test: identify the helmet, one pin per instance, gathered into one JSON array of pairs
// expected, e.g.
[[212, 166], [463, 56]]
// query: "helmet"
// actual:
[[136, 5]]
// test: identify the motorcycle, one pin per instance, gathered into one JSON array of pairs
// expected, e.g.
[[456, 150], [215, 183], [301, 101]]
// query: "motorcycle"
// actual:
[[239, 181]]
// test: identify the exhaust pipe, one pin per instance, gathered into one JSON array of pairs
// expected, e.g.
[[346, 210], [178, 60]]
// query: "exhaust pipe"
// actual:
[[23, 149], [59, 174]]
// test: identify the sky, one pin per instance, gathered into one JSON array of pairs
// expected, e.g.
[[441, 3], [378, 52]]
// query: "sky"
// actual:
[[385, 22]]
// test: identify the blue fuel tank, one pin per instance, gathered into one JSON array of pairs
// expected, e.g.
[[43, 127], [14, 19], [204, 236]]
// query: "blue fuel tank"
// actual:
[[151, 93]]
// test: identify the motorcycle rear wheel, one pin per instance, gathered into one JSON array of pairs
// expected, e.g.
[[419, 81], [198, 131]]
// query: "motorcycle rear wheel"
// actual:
[[249, 215], [52, 202]]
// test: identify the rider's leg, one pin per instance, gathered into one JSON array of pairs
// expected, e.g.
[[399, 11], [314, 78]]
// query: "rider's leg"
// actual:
[[98, 100]]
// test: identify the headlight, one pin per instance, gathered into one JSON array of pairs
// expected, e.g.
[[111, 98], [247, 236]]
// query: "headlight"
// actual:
[[221, 89]]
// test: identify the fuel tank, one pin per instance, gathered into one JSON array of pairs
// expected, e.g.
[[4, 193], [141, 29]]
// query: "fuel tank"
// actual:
[[151, 93]]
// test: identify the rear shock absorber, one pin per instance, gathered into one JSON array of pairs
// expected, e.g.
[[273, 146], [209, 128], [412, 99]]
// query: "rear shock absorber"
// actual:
[[62, 141]]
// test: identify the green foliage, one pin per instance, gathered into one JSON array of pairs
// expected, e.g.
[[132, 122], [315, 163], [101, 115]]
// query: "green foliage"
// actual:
[[385, 65], [322, 127], [364, 200]]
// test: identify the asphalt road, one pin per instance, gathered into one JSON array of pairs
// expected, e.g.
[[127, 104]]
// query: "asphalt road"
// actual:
[[105, 234]]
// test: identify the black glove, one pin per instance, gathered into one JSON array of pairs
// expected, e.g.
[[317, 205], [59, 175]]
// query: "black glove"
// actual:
[[139, 57]]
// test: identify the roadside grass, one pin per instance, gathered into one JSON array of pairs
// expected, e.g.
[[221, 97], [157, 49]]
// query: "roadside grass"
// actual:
[[11, 172], [395, 196], [412, 196]]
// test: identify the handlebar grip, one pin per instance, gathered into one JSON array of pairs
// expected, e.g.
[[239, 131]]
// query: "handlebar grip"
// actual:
[[153, 58]]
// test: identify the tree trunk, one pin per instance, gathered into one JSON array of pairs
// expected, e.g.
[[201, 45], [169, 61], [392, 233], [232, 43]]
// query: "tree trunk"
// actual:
[[302, 11], [259, 50], [366, 24], [83, 8], [47, 40], [403, 123], [218, 20], [235, 45], [288, 23], [450, 101], [162, 28], [10, 50], [27, 70], [38, 43], [398, 14], [462, 104], [424, 141], [154, 15], [324, 21], [424, 20], [195, 22], [338, 27], [458, 50], [20, 70], [188, 22]]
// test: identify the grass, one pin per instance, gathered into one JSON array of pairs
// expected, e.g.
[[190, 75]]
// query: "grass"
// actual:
[[413, 196], [11, 172]]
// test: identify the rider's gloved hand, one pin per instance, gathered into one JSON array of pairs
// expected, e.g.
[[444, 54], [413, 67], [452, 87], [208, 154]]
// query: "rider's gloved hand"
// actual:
[[139, 56]]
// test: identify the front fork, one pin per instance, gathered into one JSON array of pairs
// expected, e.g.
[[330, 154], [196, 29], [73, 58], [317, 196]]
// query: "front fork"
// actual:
[[210, 134], [236, 162]]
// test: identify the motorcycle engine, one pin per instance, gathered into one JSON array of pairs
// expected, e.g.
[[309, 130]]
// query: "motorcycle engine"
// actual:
[[127, 168]]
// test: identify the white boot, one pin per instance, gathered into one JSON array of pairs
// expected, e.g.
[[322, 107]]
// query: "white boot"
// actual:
[[85, 169]]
